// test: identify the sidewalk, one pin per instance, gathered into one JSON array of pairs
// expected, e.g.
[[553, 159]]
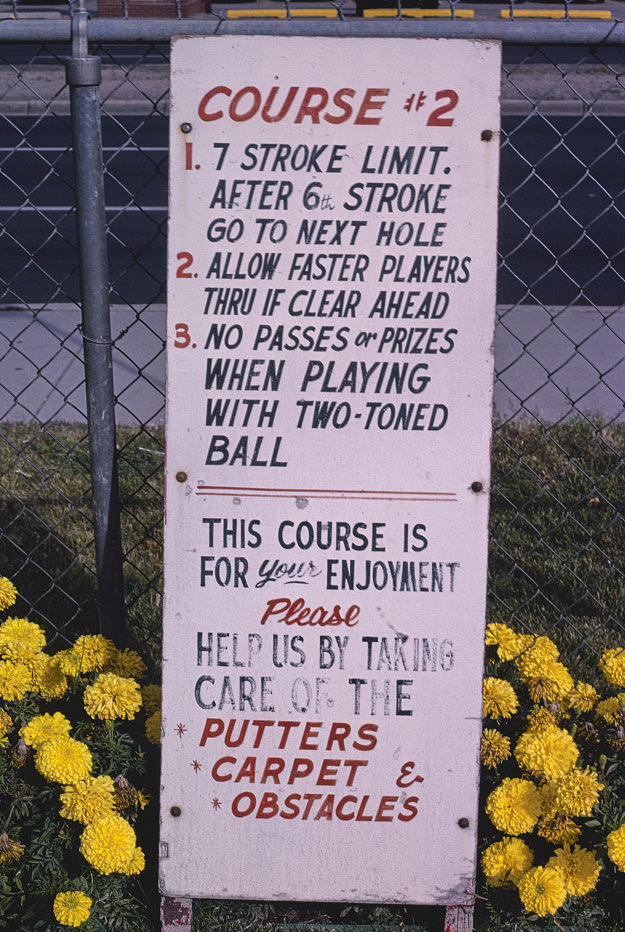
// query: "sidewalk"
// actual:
[[142, 89], [32, 90], [552, 378]]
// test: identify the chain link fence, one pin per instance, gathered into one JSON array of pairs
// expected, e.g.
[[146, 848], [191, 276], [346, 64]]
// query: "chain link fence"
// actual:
[[557, 499]]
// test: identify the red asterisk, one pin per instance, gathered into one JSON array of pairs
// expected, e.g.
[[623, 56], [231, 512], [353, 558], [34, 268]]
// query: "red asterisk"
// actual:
[[180, 729], [216, 803], [196, 765]]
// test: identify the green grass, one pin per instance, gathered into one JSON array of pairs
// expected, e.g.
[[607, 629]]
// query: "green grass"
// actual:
[[233, 916], [556, 567], [557, 552], [47, 529]]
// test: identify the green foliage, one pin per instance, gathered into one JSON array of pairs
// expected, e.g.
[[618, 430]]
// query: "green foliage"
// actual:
[[557, 527], [47, 522], [40, 853], [234, 916], [597, 732], [556, 567]]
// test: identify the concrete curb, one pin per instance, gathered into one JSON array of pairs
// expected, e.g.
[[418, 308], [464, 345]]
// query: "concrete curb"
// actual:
[[142, 89], [27, 108]]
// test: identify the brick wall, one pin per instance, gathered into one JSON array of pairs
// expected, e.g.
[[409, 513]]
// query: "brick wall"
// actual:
[[151, 9]]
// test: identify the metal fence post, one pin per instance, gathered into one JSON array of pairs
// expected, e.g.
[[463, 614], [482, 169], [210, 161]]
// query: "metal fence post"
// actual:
[[83, 74]]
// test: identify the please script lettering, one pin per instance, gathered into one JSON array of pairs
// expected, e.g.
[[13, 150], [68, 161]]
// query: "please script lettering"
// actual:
[[296, 612]]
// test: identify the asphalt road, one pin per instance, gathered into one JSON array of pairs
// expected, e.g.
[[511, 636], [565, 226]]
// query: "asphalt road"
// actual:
[[558, 223], [39, 233], [561, 333]]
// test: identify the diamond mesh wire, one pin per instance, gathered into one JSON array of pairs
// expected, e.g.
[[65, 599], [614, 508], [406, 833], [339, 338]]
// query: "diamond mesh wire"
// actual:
[[557, 502], [556, 562]]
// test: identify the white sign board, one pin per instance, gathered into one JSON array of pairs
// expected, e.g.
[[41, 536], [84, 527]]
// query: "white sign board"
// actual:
[[331, 313]]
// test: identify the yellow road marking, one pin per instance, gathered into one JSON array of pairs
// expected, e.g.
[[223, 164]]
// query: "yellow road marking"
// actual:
[[557, 14], [420, 14], [281, 14]]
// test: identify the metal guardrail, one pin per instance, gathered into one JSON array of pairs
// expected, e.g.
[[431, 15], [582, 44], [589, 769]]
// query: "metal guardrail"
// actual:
[[511, 31]]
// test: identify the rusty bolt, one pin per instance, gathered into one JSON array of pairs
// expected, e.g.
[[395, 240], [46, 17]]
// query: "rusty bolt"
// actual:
[[463, 823], [487, 135], [175, 811], [477, 486], [181, 476], [186, 127]]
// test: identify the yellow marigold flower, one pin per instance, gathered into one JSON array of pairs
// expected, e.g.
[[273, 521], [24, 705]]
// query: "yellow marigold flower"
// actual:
[[559, 830], [151, 695], [495, 747], [6, 723], [526, 641], [88, 800], [542, 890], [126, 663], [63, 760], [15, 680], [514, 806], [538, 650], [551, 682], [153, 727], [539, 719], [496, 632], [509, 644], [137, 862], [577, 792], [69, 662], [8, 593], [52, 681], [34, 661], [72, 908], [546, 754], [555, 826], [43, 727], [610, 710], [616, 847], [583, 697], [112, 697], [505, 861], [612, 665], [579, 868], [9, 850], [93, 652], [499, 698], [109, 844], [548, 796], [21, 634]]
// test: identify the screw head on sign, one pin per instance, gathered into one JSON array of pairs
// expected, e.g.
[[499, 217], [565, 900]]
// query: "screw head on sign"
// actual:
[[175, 811], [186, 127], [487, 135], [181, 476], [477, 486], [463, 823]]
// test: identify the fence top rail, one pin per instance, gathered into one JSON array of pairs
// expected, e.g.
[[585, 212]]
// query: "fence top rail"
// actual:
[[510, 32]]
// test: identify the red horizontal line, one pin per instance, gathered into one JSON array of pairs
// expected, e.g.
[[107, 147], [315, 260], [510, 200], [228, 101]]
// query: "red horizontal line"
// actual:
[[244, 488], [381, 496]]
